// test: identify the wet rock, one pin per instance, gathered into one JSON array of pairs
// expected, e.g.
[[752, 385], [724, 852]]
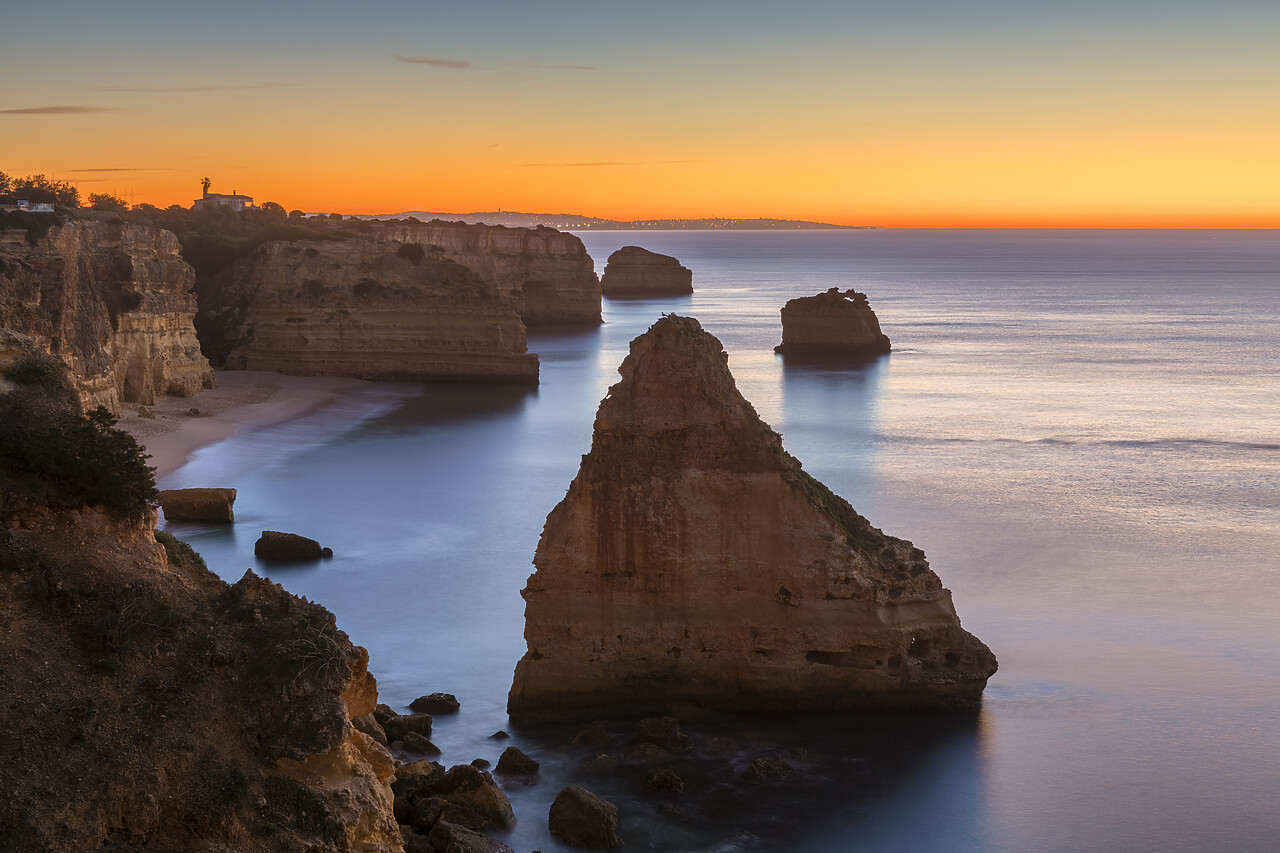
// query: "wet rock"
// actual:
[[647, 753], [663, 781], [198, 504], [513, 762], [382, 713], [436, 703], [593, 734], [473, 789], [663, 732], [451, 838], [480, 763], [287, 548], [399, 725], [774, 768], [579, 818], [419, 745], [499, 735]]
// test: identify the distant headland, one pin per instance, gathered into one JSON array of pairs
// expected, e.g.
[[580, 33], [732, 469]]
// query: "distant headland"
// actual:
[[571, 221]]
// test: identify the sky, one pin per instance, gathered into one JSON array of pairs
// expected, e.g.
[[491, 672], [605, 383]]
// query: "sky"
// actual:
[[916, 113]]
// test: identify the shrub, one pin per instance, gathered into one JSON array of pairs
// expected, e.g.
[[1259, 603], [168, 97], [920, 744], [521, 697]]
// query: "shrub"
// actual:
[[411, 252]]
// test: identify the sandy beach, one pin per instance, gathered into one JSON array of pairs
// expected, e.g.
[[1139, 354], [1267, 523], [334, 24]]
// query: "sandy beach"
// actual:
[[174, 428]]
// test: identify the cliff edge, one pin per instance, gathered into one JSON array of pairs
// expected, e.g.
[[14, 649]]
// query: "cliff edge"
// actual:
[[693, 561]]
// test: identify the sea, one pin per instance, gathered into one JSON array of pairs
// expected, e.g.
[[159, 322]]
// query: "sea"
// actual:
[[1081, 429]]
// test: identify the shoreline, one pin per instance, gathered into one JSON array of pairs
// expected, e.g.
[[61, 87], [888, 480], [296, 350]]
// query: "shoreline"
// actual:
[[175, 428]]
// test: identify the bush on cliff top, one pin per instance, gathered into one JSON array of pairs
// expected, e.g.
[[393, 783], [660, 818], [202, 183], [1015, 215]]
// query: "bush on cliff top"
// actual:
[[52, 450]]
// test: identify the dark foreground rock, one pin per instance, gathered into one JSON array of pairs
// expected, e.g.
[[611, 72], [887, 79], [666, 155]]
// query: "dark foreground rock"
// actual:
[[213, 505], [436, 703], [633, 271], [288, 548], [831, 323], [579, 818], [513, 762]]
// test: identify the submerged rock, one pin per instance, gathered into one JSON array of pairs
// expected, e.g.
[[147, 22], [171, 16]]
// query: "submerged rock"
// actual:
[[694, 561], [198, 505], [633, 271], [831, 323]]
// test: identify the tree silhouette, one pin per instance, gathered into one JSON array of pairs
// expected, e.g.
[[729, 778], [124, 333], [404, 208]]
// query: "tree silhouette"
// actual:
[[205, 183]]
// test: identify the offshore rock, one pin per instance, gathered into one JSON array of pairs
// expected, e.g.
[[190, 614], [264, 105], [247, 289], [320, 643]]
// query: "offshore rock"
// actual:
[[367, 309], [633, 271], [214, 505], [152, 705], [831, 323], [545, 275], [112, 300], [288, 548], [693, 561]]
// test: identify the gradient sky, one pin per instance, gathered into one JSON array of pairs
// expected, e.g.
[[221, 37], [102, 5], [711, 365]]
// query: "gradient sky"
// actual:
[[915, 113]]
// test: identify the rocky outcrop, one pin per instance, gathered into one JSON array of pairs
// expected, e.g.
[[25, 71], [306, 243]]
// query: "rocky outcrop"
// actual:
[[831, 323], [694, 561], [216, 505], [367, 309], [151, 705], [279, 547], [545, 275], [112, 300], [633, 271]]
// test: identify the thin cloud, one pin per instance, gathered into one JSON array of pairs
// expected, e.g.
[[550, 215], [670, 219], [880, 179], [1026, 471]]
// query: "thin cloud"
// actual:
[[123, 169], [57, 110], [598, 163], [435, 61], [562, 67], [236, 87]]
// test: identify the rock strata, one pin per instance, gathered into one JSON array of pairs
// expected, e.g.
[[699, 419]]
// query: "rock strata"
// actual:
[[214, 505], [831, 323], [694, 561], [367, 309], [112, 300], [633, 271]]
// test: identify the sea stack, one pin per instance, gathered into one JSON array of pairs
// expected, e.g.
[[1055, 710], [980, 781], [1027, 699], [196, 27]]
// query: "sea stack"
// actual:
[[693, 561], [831, 324], [633, 271]]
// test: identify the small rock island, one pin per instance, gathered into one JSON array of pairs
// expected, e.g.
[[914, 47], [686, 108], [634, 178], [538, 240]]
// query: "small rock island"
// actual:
[[831, 323], [633, 271], [694, 561]]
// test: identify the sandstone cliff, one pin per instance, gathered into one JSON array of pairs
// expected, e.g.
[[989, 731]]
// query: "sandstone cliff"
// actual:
[[831, 323], [114, 301], [368, 309], [150, 705], [694, 561], [546, 275], [633, 271]]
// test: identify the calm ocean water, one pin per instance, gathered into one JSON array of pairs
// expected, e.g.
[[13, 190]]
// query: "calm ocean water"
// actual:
[[1081, 430]]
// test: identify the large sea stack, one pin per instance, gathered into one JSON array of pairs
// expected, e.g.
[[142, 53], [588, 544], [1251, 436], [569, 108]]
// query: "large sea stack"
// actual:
[[831, 324], [693, 561], [633, 271], [114, 301]]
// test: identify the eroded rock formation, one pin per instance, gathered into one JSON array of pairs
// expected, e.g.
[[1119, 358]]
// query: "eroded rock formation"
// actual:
[[216, 505], [633, 271], [114, 301], [831, 323], [368, 309], [694, 561], [545, 275]]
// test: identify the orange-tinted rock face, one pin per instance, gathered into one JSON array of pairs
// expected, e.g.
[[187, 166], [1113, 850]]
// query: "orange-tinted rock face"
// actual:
[[694, 561], [633, 271], [111, 299], [831, 323], [368, 309]]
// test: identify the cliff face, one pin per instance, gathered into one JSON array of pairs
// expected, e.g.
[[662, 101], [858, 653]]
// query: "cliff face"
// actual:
[[367, 309], [831, 323], [546, 275], [633, 271], [150, 705], [694, 561], [114, 301]]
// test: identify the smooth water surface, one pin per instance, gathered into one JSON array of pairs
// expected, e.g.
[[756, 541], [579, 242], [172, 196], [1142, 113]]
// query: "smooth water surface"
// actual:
[[1081, 430]]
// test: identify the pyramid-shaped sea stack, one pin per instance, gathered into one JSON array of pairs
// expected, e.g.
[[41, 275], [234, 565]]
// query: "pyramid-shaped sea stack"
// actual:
[[693, 561]]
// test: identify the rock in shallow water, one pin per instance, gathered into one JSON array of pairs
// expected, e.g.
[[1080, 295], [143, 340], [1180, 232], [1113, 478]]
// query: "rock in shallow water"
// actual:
[[198, 504], [579, 818], [288, 548]]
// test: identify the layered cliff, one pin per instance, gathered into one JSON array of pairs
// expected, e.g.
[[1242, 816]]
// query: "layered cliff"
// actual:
[[831, 323], [368, 309], [113, 300], [545, 275], [694, 561], [633, 271]]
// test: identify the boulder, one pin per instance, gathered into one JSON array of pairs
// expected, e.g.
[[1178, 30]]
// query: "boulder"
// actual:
[[419, 745], [663, 732], [198, 504], [368, 724], [663, 781], [473, 789], [633, 271], [831, 323], [448, 837], [693, 561], [436, 703], [280, 547], [579, 818], [513, 762], [401, 724], [774, 768]]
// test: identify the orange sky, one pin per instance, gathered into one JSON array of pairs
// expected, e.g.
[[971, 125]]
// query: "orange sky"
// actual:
[[994, 115]]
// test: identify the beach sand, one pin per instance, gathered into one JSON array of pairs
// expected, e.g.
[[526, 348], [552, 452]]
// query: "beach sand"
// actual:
[[174, 428]]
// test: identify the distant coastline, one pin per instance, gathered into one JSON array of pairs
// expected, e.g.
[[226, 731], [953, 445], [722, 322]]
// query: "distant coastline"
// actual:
[[570, 221]]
